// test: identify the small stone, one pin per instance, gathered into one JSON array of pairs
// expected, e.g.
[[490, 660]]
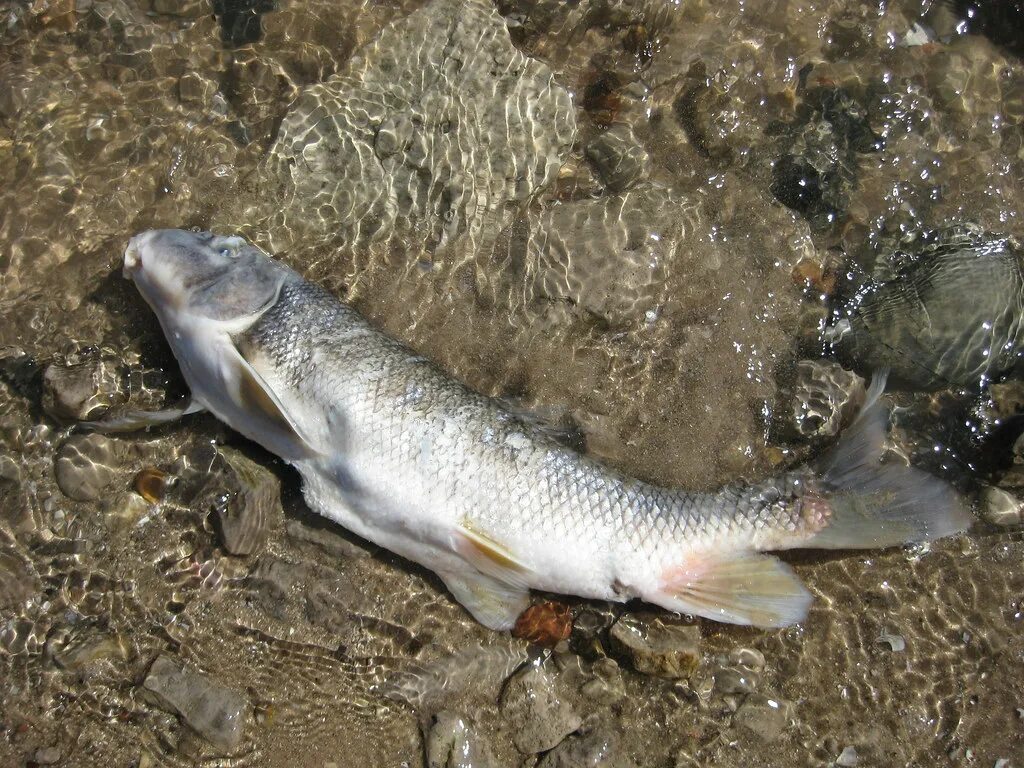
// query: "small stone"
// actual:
[[1001, 507], [751, 658], [451, 743], [810, 273], [217, 713], [87, 465], [79, 653], [193, 88], [657, 645], [848, 758], [151, 484], [618, 158], [606, 686], [536, 713], [734, 681], [586, 750], [46, 755], [247, 502], [546, 624], [762, 717], [824, 396], [895, 642], [81, 391]]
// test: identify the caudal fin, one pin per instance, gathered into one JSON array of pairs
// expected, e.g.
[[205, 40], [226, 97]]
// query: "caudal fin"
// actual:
[[872, 504]]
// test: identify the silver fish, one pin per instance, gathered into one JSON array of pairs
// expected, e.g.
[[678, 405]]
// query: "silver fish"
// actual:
[[396, 451]]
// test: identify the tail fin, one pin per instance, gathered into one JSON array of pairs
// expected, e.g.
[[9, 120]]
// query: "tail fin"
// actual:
[[881, 505]]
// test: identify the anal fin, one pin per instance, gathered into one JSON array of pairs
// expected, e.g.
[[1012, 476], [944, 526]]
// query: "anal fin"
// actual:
[[493, 603], [736, 588]]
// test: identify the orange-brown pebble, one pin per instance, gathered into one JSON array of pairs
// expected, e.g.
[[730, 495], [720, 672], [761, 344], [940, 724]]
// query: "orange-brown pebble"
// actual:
[[546, 624], [151, 484], [808, 273]]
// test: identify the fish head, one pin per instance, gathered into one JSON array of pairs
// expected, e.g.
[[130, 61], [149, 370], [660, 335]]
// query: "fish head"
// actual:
[[202, 276], [206, 291]]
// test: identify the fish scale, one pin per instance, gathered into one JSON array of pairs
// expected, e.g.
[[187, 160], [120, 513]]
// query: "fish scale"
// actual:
[[394, 449]]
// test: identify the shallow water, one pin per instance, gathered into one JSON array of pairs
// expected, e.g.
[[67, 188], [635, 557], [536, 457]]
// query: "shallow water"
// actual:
[[633, 217]]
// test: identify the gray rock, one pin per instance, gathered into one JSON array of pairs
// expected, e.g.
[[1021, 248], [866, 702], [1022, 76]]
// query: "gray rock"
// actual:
[[390, 145], [1001, 507], [605, 686], [451, 743], [47, 755], [82, 650], [597, 747], [217, 713], [848, 758], [751, 658], [87, 465], [730, 680], [607, 256], [657, 645], [618, 158], [824, 396], [18, 580], [536, 711], [82, 391], [762, 717], [247, 502]]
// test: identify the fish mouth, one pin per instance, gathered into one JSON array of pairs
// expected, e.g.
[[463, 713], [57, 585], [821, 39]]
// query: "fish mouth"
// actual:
[[132, 258]]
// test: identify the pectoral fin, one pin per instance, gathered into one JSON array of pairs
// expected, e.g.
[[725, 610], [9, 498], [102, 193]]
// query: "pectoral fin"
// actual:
[[493, 603], [256, 397]]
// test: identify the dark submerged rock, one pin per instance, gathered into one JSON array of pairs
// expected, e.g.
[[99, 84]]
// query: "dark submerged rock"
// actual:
[[947, 311]]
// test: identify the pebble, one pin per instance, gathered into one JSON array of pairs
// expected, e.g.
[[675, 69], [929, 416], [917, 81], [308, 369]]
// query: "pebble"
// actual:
[[606, 686], [619, 158], [592, 749], [87, 465], [247, 501], [536, 713], [848, 758], [733, 681], [895, 642], [762, 717], [81, 391], [1001, 507], [216, 712], [46, 755], [78, 653], [824, 396], [657, 645], [451, 743], [546, 624]]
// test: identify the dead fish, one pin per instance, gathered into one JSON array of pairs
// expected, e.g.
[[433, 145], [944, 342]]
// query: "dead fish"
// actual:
[[398, 452]]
